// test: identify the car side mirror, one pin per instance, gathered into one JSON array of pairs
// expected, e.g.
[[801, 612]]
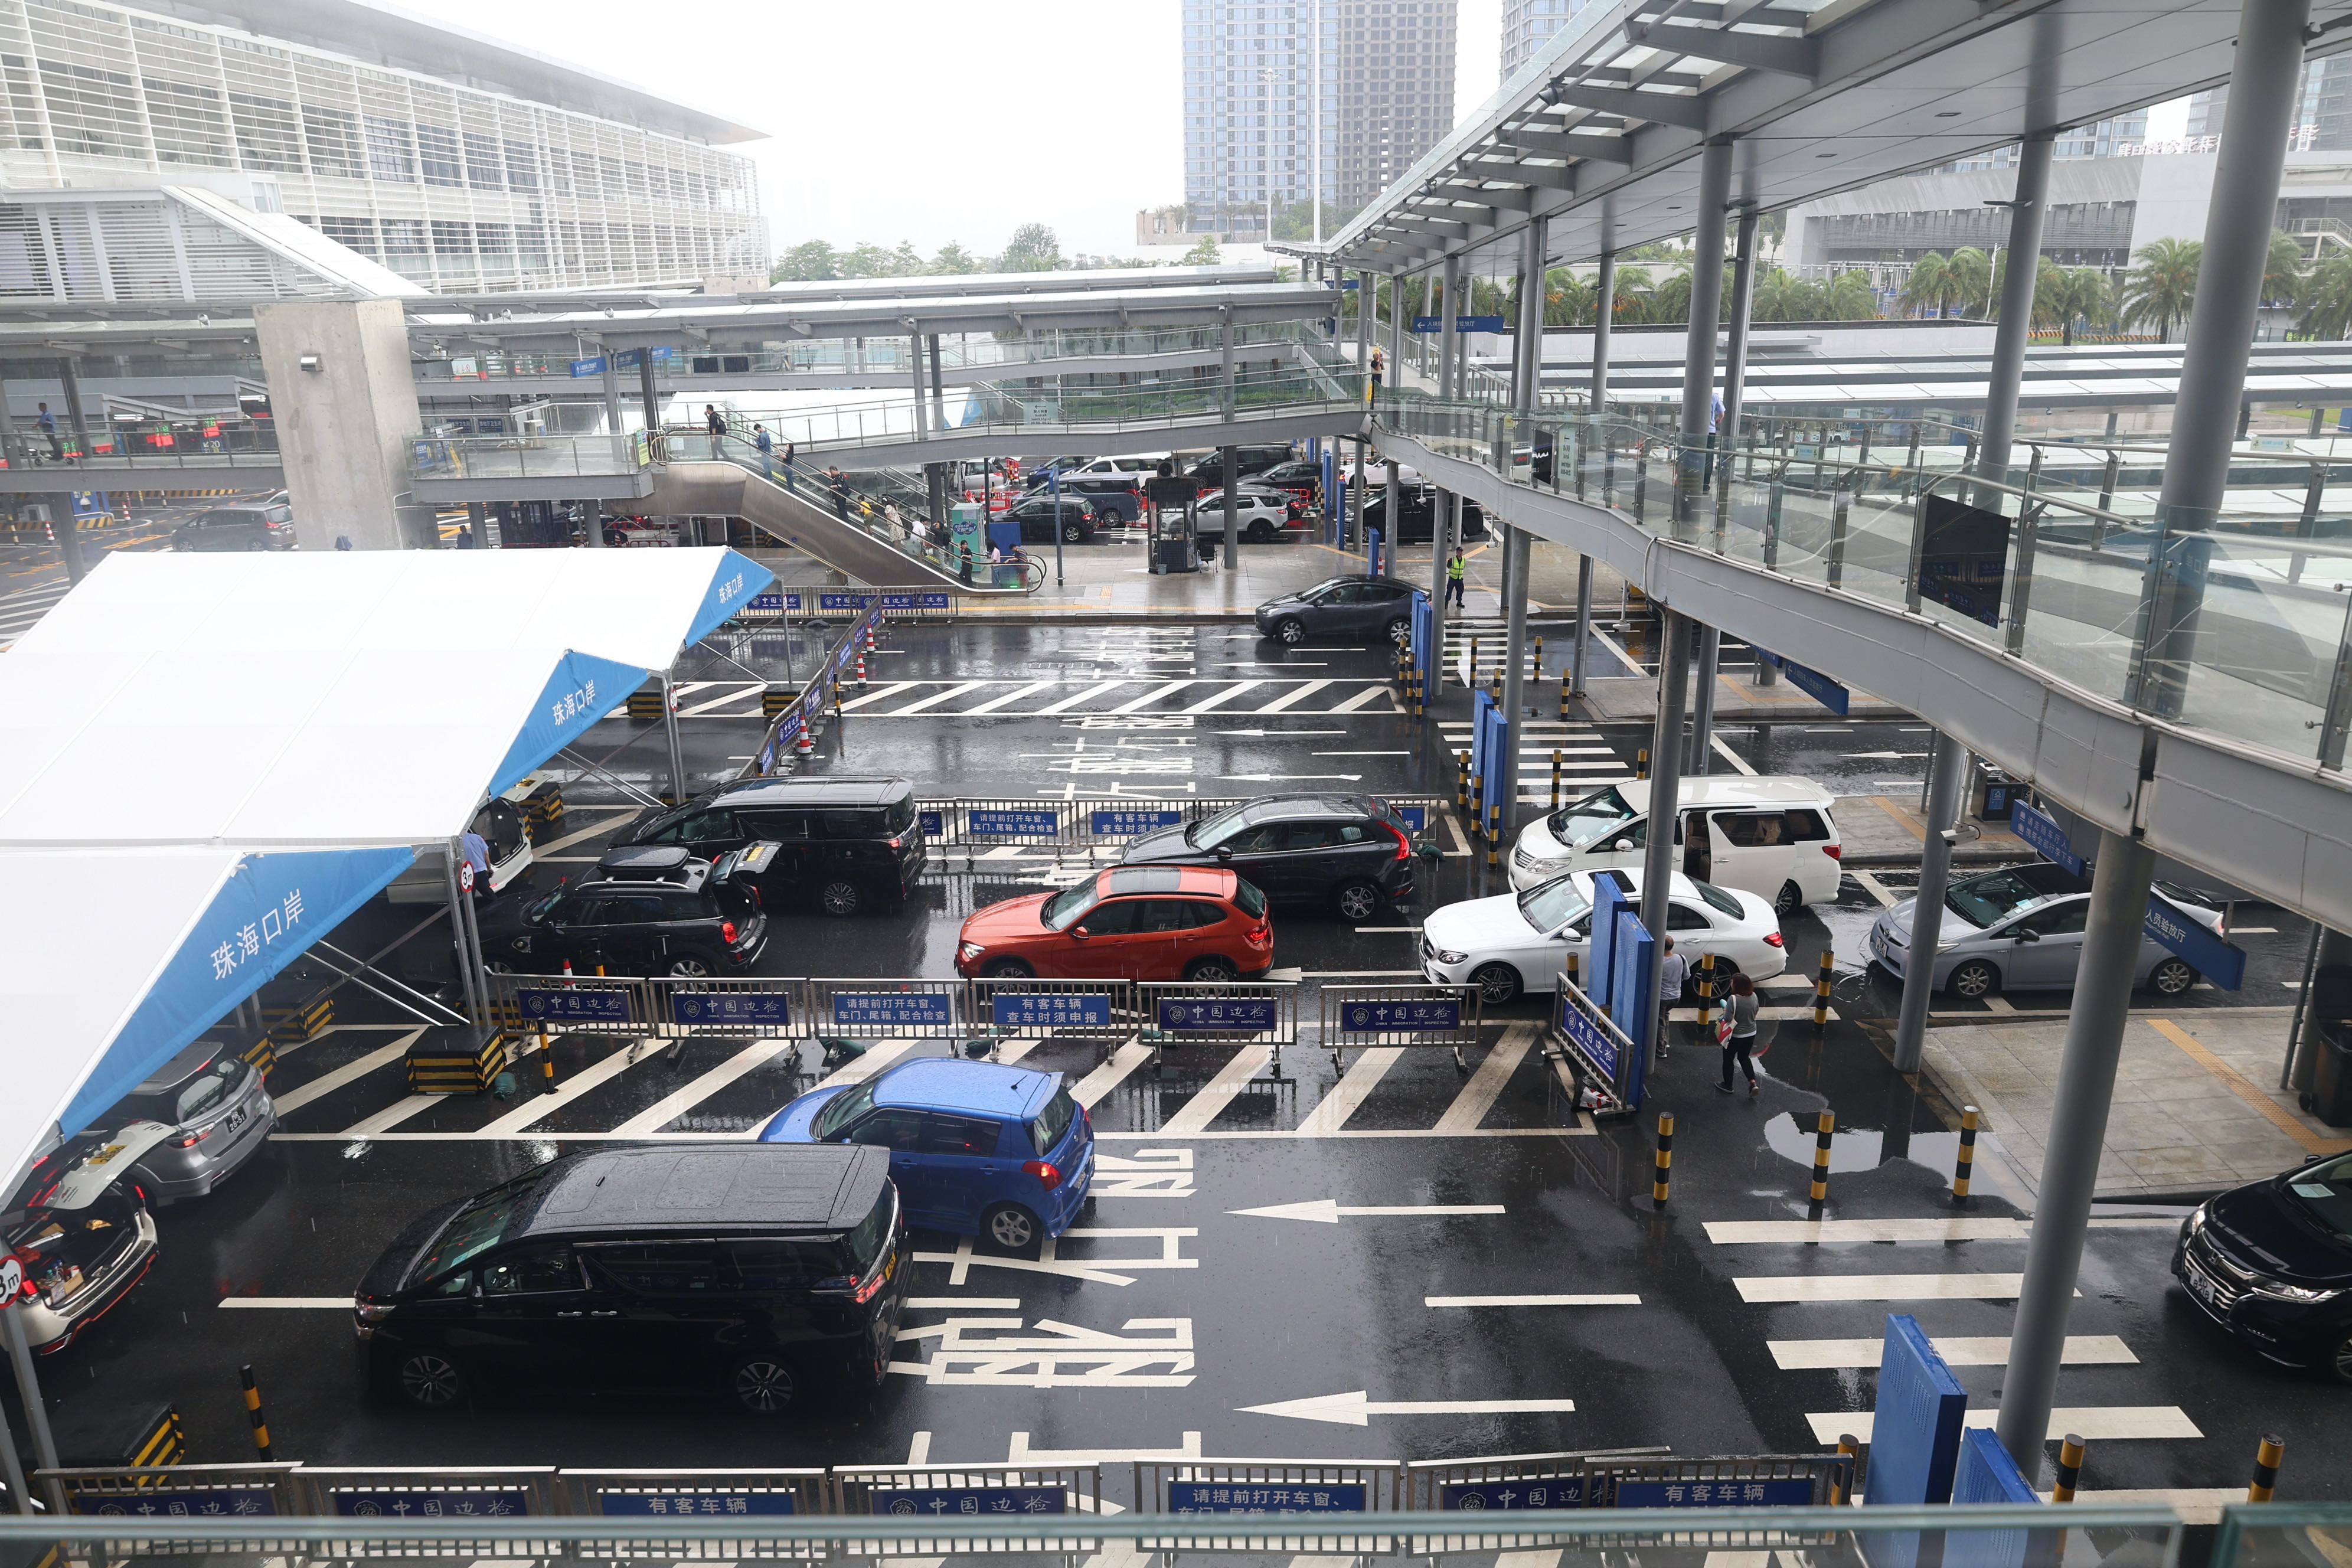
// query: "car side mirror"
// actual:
[[2028, 935], [1622, 846], [1224, 852], [476, 1293], [1080, 934]]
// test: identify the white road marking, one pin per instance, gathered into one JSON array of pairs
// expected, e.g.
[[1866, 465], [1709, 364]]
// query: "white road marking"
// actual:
[[2093, 1423], [573, 1087], [2195, 1505], [1987, 1349], [1146, 1352], [1726, 1232], [1875, 887], [1330, 1211], [670, 1107], [1149, 697], [879, 1056], [1347, 1096], [295, 1303], [1219, 1092], [1227, 695], [1360, 700], [1600, 1300], [965, 1258], [964, 1303], [326, 1083], [1360, 755], [1354, 1409], [391, 1116], [611, 814], [1291, 698], [1015, 695], [1098, 1084], [741, 691], [936, 698], [1734, 758], [1066, 703], [886, 689], [1147, 1174], [1486, 1085], [1880, 1288]]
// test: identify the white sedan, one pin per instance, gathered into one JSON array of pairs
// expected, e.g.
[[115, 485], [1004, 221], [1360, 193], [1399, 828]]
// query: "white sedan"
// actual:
[[1520, 942], [1258, 514]]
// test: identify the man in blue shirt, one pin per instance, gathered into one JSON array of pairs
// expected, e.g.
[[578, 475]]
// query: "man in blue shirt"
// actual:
[[48, 423]]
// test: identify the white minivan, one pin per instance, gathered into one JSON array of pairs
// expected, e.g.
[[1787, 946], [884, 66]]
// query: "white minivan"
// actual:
[[1774, 838]]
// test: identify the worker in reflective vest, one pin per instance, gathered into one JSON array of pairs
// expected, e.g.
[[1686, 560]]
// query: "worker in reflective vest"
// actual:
[[1455, 569]]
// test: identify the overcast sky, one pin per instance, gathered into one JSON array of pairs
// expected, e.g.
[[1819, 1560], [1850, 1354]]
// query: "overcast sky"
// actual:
[[927, 121]]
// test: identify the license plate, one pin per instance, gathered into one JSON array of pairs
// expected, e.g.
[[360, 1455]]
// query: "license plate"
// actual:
[[233, 1120], [2201, 1288]]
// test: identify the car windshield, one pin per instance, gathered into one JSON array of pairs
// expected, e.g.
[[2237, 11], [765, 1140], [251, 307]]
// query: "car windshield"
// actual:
[[536, 914], [1071, 905], [1584, 822], [1987, 901], [1208, 835], [480, 1226], [843, 1110], [1715, 897], [1551, 905], [2325, 1191]]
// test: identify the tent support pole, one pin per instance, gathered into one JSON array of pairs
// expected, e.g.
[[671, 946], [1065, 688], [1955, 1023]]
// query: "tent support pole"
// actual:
[[37, 1415], [450, 855], [669, 725]]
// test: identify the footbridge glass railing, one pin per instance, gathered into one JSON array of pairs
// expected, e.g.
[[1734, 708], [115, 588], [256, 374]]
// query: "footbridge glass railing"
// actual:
[[196, 442], [528, 456], [2243, 628]]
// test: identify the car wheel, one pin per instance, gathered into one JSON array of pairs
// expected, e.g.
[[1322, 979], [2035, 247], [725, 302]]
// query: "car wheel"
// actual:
[[1290, 632], [1211, 972], [498, 966], [1072, 533], [2173, 977], [764, 1385], [1258, 532], [690, 966], [2339, 1361], [1357, 901], [1011, 1226], [839, 898], [1007, 969], [1497, 984], [1791, 900], [1400, 631], [430, 1381], [253, 544], [1974, 979]]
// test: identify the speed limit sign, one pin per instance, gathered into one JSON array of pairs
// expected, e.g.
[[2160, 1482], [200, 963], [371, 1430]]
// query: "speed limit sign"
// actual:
[[465, 876], [12, 1277]]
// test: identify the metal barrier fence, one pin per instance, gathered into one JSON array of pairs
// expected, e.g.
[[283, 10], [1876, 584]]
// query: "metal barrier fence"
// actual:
[[178, 1491], [1178, 1010], [849, 603], [742, 1008], [737, 1494], [1605, 1062], [1507, 1483], [1104, 1011], [804, 713], [954, 1492], [1370, 1016], [573, 1004], [888, 1009], [1081, 826], [1256, 1493]]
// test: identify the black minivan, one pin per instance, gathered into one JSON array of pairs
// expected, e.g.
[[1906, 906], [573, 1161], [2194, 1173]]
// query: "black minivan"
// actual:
[[2271, 1262], [742, 1270], [842, 842]]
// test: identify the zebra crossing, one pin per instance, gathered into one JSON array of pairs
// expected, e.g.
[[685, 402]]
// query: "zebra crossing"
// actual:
[[1227, 697], [1587, 757], [20, 612]]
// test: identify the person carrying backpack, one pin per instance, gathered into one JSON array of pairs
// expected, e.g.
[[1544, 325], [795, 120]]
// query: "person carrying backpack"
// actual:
[[1739, 1035]]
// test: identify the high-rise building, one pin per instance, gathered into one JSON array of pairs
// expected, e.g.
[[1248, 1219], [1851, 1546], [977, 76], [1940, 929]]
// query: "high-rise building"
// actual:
[[171, 154], [1528, 24], [1273, 90], [2322, 107], [2102, 138]]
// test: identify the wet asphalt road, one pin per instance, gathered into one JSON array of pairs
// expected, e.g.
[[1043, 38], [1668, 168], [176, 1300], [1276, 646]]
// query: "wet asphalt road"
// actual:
[[1168, 1326]]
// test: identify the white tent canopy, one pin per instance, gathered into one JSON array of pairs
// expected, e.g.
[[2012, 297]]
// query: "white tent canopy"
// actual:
[[207, 760]]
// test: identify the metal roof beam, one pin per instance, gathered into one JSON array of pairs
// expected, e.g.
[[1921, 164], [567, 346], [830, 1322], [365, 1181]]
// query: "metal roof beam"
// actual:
[[1724, 14], [1510, 200], [1569, 144], [1663, 108], [1754, 51], [1539, 176], [1432, 226]]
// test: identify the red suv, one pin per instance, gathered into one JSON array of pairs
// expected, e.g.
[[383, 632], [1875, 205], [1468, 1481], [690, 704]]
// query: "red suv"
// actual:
[[1155, 922]]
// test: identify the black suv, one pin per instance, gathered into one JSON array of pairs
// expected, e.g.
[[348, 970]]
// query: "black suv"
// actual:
[[1300, 477], [1417, 514], [1035, 515], [1250, 460], [655, 909], [740, 1271], [841, 842], [1351, 853], [1116, 497], [2271, 1262]]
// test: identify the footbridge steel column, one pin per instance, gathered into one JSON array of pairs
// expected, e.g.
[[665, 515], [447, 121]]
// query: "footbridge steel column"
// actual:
[[1948, 761], [1396, 328], [1577, 661], [2255, 127], [2078, 1121], [2026, 212], [1735, 359], [1699, 343], [1658, 859], [1603, 317], [1225, 357], [1702, 735]]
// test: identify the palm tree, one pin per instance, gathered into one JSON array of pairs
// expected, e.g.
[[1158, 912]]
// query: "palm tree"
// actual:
[[1970, 276], [1774, 291], [1567, 299], [2075, 294], [2327, 298], [2163, 286], [1930, 287], [1849, 298], [1671, 300], [2283, 270], [1629, 302]]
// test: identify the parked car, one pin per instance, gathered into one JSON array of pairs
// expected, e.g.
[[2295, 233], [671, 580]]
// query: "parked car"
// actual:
[[1130, 923], [976, 1148], [842, 842], [1248, 460], [733, 1269], [1299, 476], [651, 909], [1137, 466], [1416, 514], [1775, 837], [1376, 472], [625, 532], [1348, 853], [2271, 1262], [80, 1231], [1037, 515], [2021, 929], [1116, 497], [1259, 515], [237, 527], [1371, 607], [217, 1112], [1516, 943]]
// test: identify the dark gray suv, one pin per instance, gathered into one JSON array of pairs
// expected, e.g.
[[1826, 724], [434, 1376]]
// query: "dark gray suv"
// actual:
[[1352, 854], [1362, 607]]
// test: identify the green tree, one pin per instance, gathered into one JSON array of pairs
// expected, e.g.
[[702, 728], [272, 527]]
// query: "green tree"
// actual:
[[1850, 298], [953, 259], [810, 261], [1781, 296], [1203, 254], [2162, 287], [2283, 270], [1033, 249], [2327, 298], [1567, 299], [1930, 287], [1629, 302], [2064, 297], [1670, 302], [1970, 281]]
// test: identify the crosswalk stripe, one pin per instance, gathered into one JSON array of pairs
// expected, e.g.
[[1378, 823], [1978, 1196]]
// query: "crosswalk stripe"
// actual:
[[326, 1083], [880, 1055], [1149, 697], [958, 690], [571, 1089], [1347, 1096], [1485, 1086], [1293, 696], [886, 688], [391, 1116], [736, 691], [1598, 1301], [2092, 1422], [1724, 1231], [672, 1106], [1880, 1287], [1110, 1074], [1225, 696], [1368, 695], [993, 703], [1982, 1349], [1219, 1091], [1066, 703]]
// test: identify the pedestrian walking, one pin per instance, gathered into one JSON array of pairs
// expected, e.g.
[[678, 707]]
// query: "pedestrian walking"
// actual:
[[963, 560], [1713, 416], [48, 423], [1673, 976], [766, 444], [715, 423], [791, 473], [1380, 366], [1457, 571], [839, 487], [890, 518], [1739, 1035]]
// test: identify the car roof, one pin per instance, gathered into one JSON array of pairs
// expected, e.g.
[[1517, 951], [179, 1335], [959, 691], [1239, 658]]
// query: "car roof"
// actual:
[[951, 1083], [1734, 789], [674, 1187], [826, 790], [1210, 881], [1300, 807], [1629, 879]]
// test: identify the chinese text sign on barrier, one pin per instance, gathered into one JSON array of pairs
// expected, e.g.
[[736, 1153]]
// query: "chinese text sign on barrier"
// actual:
[[1253, 1497], [432, 1505], [932, 823], [772, 1008], [555, 1002], [1599, 1045], [225, 1502], [1228, 1014], [1013, 823], [1388, 1017], [1779, 1493], [1415, 817], [1475, 1497], [1050, 1009], [923, 1007], [692, 1505], [967, 1502], [1119, 822]]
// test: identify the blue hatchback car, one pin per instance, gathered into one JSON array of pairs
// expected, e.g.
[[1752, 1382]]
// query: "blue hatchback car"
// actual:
[[976, 1148]]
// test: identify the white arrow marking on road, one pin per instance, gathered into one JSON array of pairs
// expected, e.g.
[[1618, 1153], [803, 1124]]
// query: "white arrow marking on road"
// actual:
[[1283, 778], [1285, 734], [1328, 1211], [1356, 1410]]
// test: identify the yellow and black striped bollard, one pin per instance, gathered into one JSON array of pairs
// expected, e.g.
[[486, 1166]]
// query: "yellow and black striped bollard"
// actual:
[[1848, 1449], [1462, 783], [1495, 681], [1706, 994], [1965, 1166], [1555, 779], [2266, 1466], [2070, 1469], [1494, 833], [1563, 696], [1827, 1127], [1473, 682], [1477, 789], [546, 1060], [1538, 672], [1641, 763], [1822, 992], [253, 1412], [1661, 1182]]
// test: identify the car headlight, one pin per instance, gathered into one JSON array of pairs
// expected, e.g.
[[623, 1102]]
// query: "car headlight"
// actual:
[[2300, 1294], [2195, 1222], [969, 950], [1445, 957]]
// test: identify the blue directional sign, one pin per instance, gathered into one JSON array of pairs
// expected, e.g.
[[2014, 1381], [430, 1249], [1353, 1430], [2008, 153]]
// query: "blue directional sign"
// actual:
[[1013, 822], [1265, 1497], [630, 359], [1416, 818], [1429, 324], [1217, 1015], [929, 1008], [914, 601], [1599, 1045], [1815, 685], [431, 1504], [841, 601], [769, 1009], [771, 600], [1482, 323], [1394, 1017], [1050, 1009], [967, 1502], [1781, 1492], [2207, 954], [195, 1503], [1482, 1497], [555, 1002], [2043, 833], [692, 1505], [1124, 821], [932, 823], [585, 367]]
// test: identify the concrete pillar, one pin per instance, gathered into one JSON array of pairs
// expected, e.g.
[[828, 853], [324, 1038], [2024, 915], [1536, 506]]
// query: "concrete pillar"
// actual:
[[915, 346], [1702, 741], [70, 380], [62, 529], [1449, 347], [1367, 304], [1526, 376], [1735, 365], [935, 481], [1225, 358], [1699, 343], [2078, 1121], [938, 386], [1603, 317], [1948, 765], [612, 385], [344, 402], [1576, 657], [2016, 324], [1396, 328], [1389, 512], [1515, 671], [1228, 459], [1661, 857], [2254, 126]]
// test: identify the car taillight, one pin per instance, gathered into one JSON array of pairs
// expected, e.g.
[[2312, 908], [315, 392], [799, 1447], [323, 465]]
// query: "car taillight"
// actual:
[[1834, 851], [727, 932], [1404, 845], [1772, 939], [1259, 934], [894, 843], [1046, 1171], [190, 1140]]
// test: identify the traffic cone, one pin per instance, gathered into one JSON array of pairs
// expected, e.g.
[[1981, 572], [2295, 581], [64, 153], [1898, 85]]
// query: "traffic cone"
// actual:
[[806, 746], [861, 666], [567, 969]]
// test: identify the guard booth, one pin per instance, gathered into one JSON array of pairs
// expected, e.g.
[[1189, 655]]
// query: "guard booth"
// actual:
[[1171, 523]]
